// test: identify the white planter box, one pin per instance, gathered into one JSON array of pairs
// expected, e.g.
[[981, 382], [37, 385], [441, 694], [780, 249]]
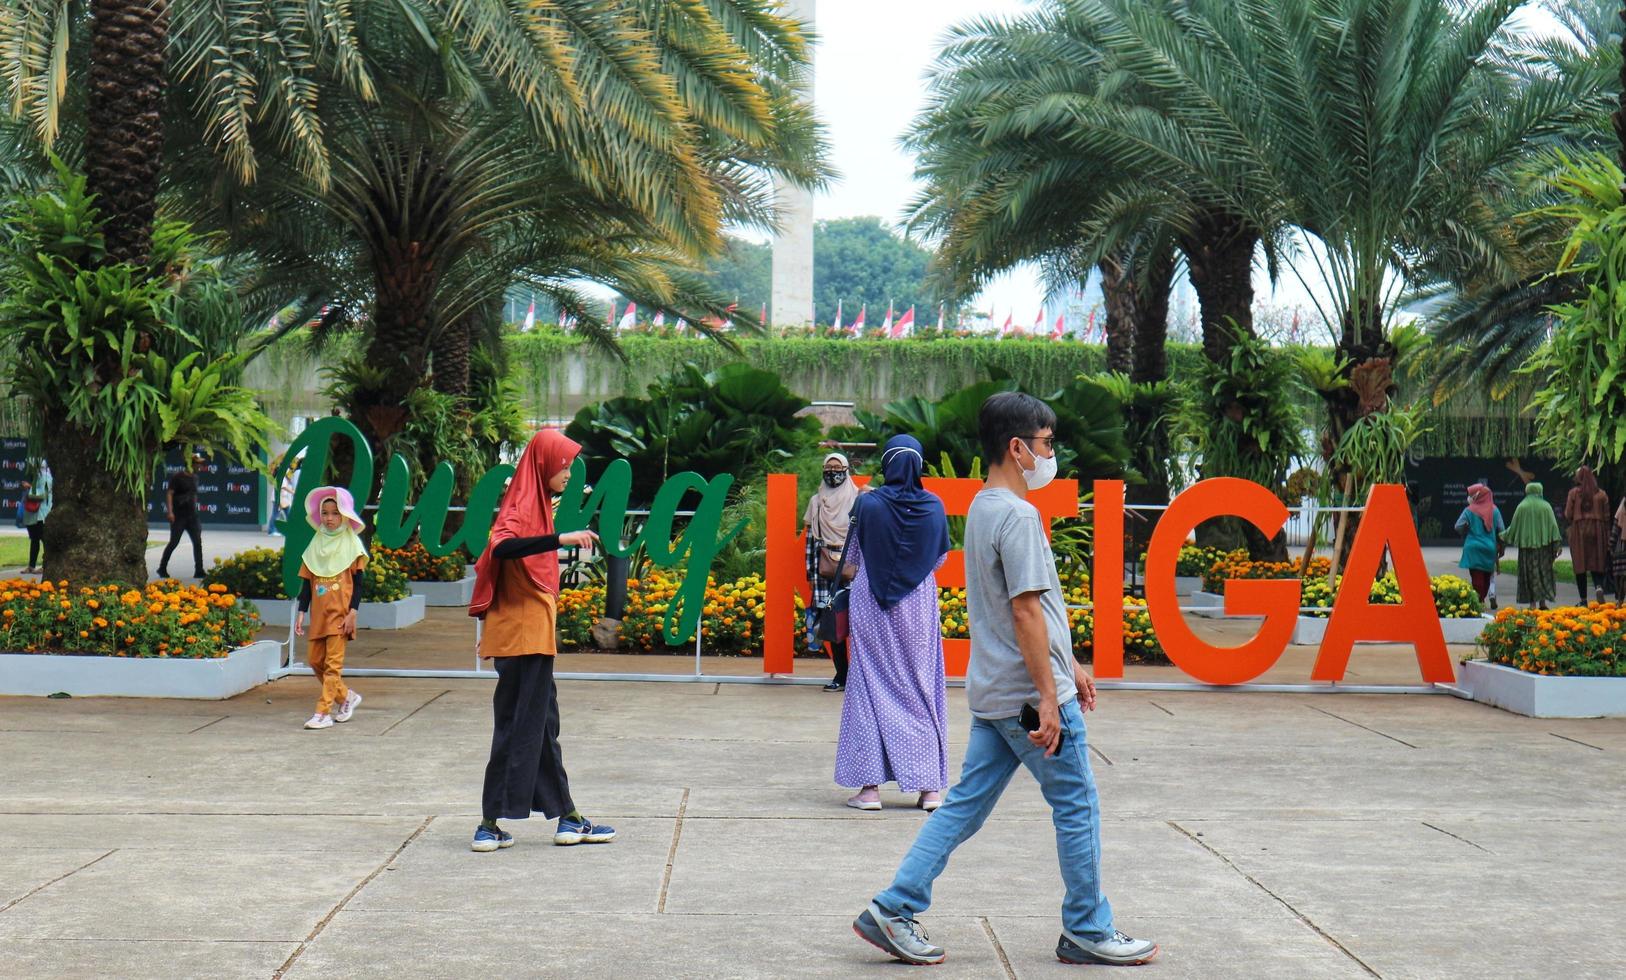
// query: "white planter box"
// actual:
[[1211, 604], [1310, 630], [1544, 697], [1187, 585], [42, 674], [458, 593], [371, 616]]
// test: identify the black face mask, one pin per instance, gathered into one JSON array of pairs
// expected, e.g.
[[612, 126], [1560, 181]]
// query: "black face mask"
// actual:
[[833, 480]]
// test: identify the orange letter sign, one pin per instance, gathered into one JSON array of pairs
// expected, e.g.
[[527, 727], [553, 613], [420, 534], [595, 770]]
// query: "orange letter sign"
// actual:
[[1276, 600], [1387, 524]]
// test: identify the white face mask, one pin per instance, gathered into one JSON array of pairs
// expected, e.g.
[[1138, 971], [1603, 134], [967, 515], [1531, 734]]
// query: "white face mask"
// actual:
[[1044, 470]]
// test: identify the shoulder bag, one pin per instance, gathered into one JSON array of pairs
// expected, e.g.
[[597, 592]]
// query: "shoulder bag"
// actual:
[[832, 625]]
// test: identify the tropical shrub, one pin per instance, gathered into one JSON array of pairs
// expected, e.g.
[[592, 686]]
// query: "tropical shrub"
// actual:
[[1090, 441], [257, 572], [1580, 406], [162, 620], [1571, 641], [420, 566], [737, 420]]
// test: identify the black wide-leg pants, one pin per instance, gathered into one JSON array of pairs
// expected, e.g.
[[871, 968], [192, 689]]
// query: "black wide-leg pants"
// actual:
[[527, 771]]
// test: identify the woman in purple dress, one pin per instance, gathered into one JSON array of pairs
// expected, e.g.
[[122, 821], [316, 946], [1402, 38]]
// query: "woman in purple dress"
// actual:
[[894, 716]]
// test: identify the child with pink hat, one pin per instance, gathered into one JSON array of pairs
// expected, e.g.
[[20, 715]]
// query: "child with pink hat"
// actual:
[[331, 568]]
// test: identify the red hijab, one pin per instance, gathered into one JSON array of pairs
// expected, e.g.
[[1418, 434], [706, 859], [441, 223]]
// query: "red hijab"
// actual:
[[526, 511]]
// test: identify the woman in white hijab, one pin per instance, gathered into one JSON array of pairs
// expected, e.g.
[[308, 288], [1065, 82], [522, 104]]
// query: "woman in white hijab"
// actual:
[[829, 512]]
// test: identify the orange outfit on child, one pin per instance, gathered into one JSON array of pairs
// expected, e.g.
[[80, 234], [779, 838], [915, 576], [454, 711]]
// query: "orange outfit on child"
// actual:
[[330, 604]]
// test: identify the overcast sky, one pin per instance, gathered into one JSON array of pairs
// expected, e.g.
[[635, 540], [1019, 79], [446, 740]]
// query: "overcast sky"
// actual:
[[870, 83]]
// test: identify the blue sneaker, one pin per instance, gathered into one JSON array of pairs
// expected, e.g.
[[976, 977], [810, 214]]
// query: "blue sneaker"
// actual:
[[582, 831], [489, 839]]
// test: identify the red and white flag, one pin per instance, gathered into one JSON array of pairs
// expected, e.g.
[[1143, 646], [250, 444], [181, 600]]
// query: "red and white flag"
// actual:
[[530, 317], [858, 324], [1005, 331], [940, 317], [886, 325], [564, 318], [905, 325], [1060, 327], [838, 316], [629, 319], [1090, 329], [660, 318], [1038, 322], [764, 318]]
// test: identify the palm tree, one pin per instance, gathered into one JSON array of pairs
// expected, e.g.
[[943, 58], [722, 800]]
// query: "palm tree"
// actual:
[[1043, 141]]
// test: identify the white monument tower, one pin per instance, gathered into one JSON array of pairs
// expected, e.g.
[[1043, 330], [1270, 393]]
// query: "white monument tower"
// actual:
[[793, 245]]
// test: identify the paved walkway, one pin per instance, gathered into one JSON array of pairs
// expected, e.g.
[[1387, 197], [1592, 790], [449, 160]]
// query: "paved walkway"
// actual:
[[1253, 835]]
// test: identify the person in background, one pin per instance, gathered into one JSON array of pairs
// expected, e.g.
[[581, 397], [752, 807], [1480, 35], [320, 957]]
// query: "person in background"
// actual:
[[330, 590], [516, 590], [36, 508], [1534, 531], [1480, 524], [283, 498], [1617, 551], [1586, 509], [829, 513], [894, 716], [181, 507]]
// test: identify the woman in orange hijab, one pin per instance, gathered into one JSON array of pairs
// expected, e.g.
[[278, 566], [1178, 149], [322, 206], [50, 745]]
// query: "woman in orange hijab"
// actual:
[[516, 590]]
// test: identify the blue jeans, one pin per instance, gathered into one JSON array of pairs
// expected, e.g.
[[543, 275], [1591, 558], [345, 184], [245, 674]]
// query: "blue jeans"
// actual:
[[991, 758]]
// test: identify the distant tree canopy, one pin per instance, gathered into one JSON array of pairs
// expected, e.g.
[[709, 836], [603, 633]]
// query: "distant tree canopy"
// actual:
[[856, 261]]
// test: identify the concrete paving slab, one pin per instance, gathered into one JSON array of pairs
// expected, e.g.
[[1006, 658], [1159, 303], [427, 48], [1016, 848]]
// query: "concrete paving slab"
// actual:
[[75, 959], [1202, 947], [1009, 868], [390, 945], [1320, 800], [24, 871], [439, 873], [228, 895]]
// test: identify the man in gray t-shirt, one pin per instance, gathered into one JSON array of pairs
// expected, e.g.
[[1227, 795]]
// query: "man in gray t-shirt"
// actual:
[[1021, 658], [1007, 560]]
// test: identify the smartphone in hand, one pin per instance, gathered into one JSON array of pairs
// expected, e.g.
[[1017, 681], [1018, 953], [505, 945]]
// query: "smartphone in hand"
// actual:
[[1029, 720]]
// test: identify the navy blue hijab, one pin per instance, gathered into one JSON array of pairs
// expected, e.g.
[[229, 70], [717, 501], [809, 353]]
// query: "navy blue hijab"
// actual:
[[902, 529]]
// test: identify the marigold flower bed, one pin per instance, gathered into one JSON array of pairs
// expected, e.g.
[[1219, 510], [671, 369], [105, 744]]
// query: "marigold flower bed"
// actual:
[[164, 619], [420, 566], [1572, 641], [731, 621]]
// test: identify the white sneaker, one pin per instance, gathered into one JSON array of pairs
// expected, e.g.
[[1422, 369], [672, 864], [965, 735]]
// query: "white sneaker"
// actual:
[[348, 708], [320, 720], [1116, 950]]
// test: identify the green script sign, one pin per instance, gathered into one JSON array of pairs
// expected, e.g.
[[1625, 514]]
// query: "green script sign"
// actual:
[[397, 519]]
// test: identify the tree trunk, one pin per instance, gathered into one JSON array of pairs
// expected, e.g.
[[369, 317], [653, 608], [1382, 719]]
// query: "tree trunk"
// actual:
[[451, 356], [1219, 257], [1150, 358], [124, 141], [1119, 294], [97, 532]]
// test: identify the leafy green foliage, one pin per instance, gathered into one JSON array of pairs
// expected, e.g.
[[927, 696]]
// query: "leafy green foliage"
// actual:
[[1089, 427], [737, 419], [1243, 416], [96, 345], [1581, 405], [1374, 448]]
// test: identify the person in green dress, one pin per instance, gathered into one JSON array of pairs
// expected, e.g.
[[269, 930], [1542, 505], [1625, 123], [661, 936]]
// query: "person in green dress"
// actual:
[[1534, 531], [1479, 524]]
